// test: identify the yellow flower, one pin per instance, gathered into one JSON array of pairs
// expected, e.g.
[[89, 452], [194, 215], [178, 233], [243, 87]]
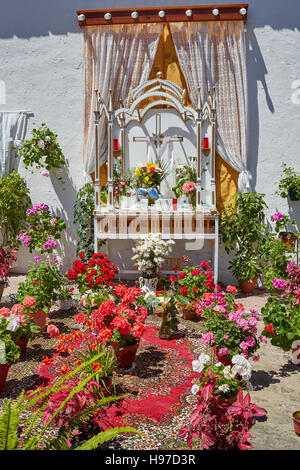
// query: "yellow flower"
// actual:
[[146, 178], [137, 172]]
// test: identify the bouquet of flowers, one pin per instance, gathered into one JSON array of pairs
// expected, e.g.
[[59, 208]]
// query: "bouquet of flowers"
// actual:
[[93, 274], [43, 229], [186, 178], [150, 254], [148, 176]]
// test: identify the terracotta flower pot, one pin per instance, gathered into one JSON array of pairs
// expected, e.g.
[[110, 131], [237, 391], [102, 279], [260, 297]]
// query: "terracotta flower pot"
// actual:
[[289, 239], [296, 353], [2, 286], [248, 286], [4, 368], [227, 401], [125, 355], [40, 318], [22, 343], [188, 313], [226, 362], [296, 419]]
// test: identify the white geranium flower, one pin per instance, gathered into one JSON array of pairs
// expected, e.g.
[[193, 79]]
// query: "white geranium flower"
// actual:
[[224, 388], [195, 389], [13, 324], [228, 372], [197, 366], [204, 358], [218, 364]]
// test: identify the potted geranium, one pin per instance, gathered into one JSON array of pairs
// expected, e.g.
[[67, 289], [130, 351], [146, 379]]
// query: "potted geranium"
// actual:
[[41, 151], [93, 274], [21, 324], [150, 254], [39, 289], [281, 228], [64, 298], [9, 351], [242, 230], [42, 229], [289, 183], [227, 327], [192, 282], [281, 314]]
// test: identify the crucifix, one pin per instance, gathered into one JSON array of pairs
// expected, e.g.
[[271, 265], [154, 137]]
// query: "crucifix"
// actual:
[[158, 140]]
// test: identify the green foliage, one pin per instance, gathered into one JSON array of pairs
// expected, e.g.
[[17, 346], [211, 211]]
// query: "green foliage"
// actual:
[[42, 150], [284, 316], [42, 282], [107, 361], [289, 182], [242, 231], [84, 217], [14, 200], [12, 351], [13, 416]]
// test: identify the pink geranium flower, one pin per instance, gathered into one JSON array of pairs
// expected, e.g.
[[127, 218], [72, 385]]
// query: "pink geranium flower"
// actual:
[[53, 331], [29, 301], [188, 187]]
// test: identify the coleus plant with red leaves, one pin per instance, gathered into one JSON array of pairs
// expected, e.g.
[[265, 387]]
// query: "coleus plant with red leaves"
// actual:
[[221, 427]]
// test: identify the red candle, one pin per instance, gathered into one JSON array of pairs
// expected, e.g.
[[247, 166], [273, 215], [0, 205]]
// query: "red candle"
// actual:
[[116, 144], [174, 204], [205, 143]]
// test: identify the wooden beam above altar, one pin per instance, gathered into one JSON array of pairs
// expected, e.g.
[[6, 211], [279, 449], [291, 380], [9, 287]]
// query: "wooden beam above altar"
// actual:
[[163, 14]]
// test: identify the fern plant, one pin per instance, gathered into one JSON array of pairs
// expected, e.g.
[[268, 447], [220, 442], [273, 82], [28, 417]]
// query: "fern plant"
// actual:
[[33, 430]]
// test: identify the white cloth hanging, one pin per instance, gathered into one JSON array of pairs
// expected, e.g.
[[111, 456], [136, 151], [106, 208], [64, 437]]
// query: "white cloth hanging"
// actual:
[[12, 127], [214, 53], [117, 57]]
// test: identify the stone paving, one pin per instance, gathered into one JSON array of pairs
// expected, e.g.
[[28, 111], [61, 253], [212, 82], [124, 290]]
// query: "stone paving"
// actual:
[[275, 385]]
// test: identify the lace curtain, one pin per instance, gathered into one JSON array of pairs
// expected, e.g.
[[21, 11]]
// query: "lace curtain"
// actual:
[[12, 127], [214, 53], [117, 57]]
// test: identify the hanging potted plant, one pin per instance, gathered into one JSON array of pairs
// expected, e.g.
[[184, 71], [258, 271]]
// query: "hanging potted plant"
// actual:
[[150, 254], [281, 228], [242, 231], [289, 183], [42, 151]]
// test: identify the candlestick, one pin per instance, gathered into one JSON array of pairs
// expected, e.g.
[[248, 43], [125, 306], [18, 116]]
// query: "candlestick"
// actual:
[[116, 144], [205, 143]]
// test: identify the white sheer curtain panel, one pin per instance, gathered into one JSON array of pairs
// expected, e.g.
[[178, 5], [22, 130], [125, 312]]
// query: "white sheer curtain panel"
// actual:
[[12, 127], [117, 57], [214, 53]]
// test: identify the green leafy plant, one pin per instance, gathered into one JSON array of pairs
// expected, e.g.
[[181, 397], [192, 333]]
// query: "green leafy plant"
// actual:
[[242, 231], [14, 200], [42, 282], [33, 429], [84, 218], [289, 183], [41, 151], [107, 362]]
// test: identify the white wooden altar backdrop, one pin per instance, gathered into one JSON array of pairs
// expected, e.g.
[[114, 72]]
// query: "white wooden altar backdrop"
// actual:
[[163, 130]]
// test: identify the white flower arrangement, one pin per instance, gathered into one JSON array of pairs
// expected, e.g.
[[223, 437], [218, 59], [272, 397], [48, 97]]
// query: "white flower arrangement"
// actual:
[[150, 254]]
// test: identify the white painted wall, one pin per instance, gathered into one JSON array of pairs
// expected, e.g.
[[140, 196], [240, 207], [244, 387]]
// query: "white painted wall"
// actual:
[[41, 64]]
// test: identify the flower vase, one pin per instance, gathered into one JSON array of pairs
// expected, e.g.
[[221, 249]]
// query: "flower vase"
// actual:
[[125, 355], [65, 304], [22, 343], [4, 368], [148, 283]]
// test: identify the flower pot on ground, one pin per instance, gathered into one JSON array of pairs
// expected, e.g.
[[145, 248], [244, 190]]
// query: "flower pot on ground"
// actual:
[[2, 286], [227, 401], [296, 353], [65, 304], [148, 283], [296, 419], [248, 286], [293, 195], [125, 355], [4, 368], [188, 313], [22, 343]]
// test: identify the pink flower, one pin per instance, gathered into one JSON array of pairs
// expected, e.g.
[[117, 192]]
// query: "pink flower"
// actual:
[[17, 308], [29, 301], [45, 173], [226, 336], [188, 187], [208, 338], [223, 352], [53, 331], [255, 358], [276, 216], [263, 339], [279, 284], [244, 346], [5, 312]]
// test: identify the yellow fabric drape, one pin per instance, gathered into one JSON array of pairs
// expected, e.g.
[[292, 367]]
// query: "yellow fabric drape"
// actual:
[[166, 62]]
